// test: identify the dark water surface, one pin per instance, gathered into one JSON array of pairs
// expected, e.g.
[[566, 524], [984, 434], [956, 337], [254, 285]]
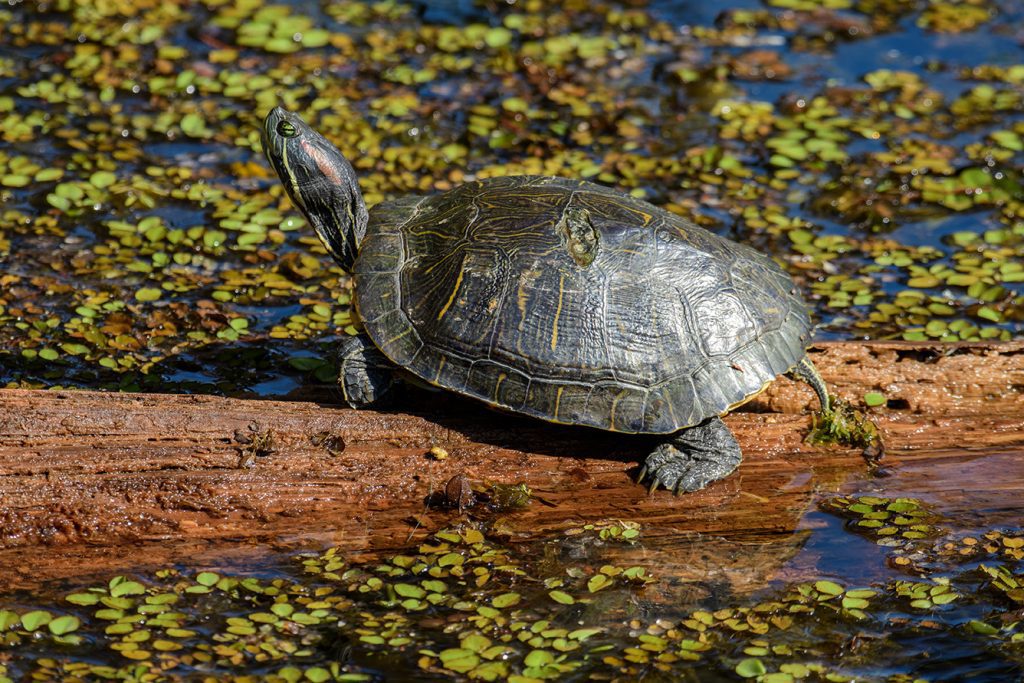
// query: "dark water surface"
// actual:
[[873, 586], [873, 148]]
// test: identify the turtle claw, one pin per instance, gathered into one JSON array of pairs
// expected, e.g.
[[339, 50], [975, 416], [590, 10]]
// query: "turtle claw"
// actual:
[[693, 459], [669, 468], [642, 478], [651, 482], [664, 468], [366, 377]]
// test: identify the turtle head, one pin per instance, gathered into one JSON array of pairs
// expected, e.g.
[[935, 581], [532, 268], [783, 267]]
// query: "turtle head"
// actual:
[[320, 181]]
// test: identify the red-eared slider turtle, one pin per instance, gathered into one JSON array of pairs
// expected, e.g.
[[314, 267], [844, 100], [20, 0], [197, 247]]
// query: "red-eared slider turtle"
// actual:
[[555, 298]]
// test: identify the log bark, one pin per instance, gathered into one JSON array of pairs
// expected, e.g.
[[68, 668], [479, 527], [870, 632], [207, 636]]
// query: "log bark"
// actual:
[[88, 477]]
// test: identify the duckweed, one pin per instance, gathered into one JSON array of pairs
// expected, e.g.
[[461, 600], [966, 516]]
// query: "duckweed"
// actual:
[[463, 605], [889, 521], [146, 244]]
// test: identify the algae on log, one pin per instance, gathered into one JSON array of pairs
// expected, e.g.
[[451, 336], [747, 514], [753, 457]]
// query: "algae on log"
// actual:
[[96, 475]]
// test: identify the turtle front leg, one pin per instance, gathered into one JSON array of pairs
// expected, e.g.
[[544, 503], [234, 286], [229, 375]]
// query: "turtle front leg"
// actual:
[[366, 376], [692, 458]]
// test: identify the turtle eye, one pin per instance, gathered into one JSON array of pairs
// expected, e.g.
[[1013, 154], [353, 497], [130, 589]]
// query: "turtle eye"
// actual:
[[286, 129]]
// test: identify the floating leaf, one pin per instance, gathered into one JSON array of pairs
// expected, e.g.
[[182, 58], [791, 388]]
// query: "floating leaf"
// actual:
[[8, 618], [121, 586], [505, 600], [562, 597], [102, 179], [63, 625], [317, 674], [750, 668], [459, 660], [35, 619], [539, 658], [828, 587], [148, 294], [407, 590], [874, 398], [982, 628]]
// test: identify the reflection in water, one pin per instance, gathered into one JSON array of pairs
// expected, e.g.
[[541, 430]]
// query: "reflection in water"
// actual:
[[873, 586]]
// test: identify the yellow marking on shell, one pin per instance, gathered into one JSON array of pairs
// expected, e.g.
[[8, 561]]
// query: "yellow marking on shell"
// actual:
[[398, 336], [615, 403], [497, 385], [558, 402], [443, 260], [671, 412], [521, 301], [440, 367], [752, 396], [455, 290], [643, 214], [434, 233], [558, 312]]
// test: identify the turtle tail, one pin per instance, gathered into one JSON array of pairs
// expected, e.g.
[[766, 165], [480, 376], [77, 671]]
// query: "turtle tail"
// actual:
[[805, 370]]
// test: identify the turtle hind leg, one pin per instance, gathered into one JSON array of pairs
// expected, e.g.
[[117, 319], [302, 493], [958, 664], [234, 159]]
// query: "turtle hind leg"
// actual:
[[692, 458], [805, 370], [366, 376]]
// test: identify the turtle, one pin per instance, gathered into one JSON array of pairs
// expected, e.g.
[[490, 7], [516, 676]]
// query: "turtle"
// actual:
[[557, 298]]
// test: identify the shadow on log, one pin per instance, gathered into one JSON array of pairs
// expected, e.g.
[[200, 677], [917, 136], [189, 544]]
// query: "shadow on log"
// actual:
[[90, 480]]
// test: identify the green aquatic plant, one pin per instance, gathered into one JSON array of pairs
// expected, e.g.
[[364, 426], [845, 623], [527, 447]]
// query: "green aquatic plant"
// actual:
[[464, 604], [845, 425], [136, 147]]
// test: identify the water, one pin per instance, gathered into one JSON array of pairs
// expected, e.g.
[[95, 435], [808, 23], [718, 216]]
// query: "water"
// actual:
[[597, 601], [630, 95]]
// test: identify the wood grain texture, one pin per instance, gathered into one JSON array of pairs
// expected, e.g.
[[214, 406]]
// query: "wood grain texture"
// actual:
[[86, 477]]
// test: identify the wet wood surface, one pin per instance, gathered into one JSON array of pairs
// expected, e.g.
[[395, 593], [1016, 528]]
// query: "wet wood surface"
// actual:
[[91, 479]]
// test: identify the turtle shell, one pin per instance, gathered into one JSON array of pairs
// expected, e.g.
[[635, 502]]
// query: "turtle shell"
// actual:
[[575, 303]]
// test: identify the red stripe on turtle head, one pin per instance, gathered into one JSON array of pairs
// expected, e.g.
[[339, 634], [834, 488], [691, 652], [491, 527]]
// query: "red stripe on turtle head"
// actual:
[[323, 162]]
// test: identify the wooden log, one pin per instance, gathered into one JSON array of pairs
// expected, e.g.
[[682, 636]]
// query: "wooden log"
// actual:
[[85, 476]]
